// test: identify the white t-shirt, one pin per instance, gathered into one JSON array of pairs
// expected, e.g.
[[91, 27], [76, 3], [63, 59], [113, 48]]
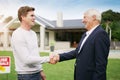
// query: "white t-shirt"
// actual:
[[26, 53]]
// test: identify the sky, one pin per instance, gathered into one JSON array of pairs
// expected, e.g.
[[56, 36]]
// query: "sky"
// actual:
[[71, 9]]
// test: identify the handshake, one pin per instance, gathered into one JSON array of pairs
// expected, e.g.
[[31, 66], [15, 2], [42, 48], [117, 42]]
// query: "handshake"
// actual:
[[54, 58]]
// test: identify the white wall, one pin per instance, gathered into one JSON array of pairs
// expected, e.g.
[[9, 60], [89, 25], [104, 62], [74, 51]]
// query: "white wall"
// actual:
[[51, 37], [62, 45]]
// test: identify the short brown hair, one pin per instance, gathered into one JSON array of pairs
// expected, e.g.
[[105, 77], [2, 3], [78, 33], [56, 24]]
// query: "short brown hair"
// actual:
[[22, 11]]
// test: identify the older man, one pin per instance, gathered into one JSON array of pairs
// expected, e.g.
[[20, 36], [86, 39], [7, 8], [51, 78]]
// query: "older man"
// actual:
[[92, 52]]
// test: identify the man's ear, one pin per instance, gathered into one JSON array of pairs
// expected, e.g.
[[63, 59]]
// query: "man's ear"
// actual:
[[94, 17], [22, 17]]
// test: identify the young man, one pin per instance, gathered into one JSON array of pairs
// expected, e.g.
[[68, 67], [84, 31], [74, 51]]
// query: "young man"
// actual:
[[92, 52], [25, 47]]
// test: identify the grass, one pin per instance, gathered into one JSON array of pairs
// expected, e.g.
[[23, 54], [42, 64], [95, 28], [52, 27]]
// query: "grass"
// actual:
[[63, 70], [113, 69]]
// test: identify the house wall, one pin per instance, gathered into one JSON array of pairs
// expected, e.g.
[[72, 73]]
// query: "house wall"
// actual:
[[5, 40], [50, 38], [62, 45], [57, 44]]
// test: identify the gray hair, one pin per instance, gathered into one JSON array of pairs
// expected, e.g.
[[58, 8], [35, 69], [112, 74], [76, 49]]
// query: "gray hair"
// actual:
[[93, 12]]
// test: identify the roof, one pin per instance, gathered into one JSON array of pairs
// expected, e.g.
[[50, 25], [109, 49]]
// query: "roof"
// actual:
[[67, 24], [70, 24], [7, 24], [44, 21], [48, 24]]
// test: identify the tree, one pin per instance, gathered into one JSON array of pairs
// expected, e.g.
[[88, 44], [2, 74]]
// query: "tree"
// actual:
[[111, 19], [115, 26], [109, 16]]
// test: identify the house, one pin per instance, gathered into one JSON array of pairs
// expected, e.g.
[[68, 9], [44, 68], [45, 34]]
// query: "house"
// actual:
[[64, 33]]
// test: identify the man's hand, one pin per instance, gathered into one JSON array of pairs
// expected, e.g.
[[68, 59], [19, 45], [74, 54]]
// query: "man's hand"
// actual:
[[54, 58], [42, 74]]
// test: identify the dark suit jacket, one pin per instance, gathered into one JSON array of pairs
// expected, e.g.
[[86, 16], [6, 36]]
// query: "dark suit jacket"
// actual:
[[91, 62]]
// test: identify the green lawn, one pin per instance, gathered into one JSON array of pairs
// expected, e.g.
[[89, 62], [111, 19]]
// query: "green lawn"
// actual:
[[63, 70]]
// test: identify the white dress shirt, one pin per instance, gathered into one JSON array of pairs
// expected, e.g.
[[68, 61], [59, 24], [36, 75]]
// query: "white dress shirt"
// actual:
[[87, 35]]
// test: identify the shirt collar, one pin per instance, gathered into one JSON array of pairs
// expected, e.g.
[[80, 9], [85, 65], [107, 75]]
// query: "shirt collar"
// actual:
[[90, 31]]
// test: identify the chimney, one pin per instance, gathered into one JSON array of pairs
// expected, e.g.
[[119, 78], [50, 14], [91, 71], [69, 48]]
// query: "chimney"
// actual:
[[59, 21]]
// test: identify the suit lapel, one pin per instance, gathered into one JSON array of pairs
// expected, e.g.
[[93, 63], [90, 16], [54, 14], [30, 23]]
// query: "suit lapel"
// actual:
[[89, 38]]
